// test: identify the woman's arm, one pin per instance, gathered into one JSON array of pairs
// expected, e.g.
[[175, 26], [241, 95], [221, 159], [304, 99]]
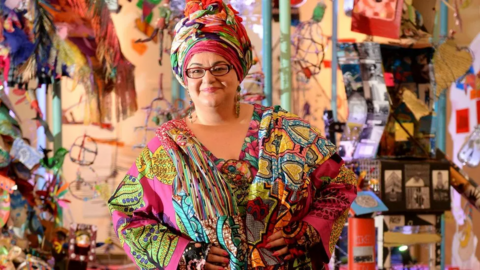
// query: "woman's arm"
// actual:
[[335, 190], [331, 191], [148, 236]]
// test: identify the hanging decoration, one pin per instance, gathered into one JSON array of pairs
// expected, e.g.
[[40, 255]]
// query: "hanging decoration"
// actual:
[[92, 44], [83, 151], [377, 18], [158, 114], [84, 189], [164, 23], [54, 163], [450, 63], [139, 48], [309, 44]]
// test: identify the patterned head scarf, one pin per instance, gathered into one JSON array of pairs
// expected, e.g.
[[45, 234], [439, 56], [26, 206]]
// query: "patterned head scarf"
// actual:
[[210, 26]]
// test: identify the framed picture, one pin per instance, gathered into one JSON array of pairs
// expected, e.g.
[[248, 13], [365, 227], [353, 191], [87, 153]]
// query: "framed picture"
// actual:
[[82, 242]]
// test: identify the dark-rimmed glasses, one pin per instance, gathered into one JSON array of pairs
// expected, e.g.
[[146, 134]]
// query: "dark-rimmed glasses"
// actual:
[[217, 70]]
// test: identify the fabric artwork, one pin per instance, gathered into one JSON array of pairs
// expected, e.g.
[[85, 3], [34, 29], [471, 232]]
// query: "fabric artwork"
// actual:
[[287, 177]]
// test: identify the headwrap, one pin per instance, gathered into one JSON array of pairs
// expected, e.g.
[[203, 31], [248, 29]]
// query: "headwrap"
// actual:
[[210, 26]]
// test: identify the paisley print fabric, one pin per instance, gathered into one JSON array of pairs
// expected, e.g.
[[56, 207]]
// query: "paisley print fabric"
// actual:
[[287, 178]]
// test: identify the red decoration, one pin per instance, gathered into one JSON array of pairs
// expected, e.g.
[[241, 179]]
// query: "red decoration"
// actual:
[[377, 18], [463, 122], [478, 112]]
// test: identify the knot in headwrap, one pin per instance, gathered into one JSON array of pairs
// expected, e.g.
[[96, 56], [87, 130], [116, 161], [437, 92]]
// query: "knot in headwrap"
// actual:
[[211, 26]]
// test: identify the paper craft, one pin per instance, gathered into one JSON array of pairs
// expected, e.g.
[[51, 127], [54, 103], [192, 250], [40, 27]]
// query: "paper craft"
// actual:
[[463, 123], [450, 63], [416, 106], [367, 202], [146, 28], [26, 154], [139, 47]]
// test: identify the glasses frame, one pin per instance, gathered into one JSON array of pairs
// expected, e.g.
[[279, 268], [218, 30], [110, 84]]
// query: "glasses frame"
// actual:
[[229, 67]]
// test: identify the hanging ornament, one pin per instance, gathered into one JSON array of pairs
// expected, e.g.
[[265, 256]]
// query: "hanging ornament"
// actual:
[[309, 45], [297, 3], [83, 151], [81, 188], [450, 63], [162, 24], [54, 163]]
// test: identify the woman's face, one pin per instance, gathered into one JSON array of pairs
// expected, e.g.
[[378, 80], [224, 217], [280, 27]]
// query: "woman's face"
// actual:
[[210, 90]]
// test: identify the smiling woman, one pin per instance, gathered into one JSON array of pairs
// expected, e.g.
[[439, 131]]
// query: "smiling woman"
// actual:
[[233, 185], [211, 83]]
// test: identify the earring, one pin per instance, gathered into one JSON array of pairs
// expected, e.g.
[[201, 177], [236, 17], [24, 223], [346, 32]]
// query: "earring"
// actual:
[[237, 102], [190, 111]]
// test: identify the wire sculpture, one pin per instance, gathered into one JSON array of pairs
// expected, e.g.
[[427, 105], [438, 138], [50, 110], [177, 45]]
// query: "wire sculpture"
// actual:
[[159, 114], [83, 151], [309, 45], [82, 189]]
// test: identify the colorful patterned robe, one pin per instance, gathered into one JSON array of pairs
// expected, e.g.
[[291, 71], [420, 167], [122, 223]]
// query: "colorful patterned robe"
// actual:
[[178, 192]]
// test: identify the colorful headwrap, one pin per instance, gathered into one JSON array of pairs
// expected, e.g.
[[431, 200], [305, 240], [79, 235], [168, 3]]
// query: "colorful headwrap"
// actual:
[[210, 26]]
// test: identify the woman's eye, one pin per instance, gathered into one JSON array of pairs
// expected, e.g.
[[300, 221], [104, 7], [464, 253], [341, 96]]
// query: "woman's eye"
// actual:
[[195, 71], [219, 68]]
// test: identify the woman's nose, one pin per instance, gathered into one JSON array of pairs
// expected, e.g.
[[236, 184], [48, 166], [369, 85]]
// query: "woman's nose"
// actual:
[[208, 77]]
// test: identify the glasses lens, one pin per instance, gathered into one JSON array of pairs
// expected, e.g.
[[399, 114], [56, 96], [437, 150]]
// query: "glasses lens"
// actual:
[[220, 70], [195, 73]]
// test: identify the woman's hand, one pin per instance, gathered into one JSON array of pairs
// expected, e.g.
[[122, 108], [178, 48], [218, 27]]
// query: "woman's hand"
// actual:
[[215, 257], [277, 240]]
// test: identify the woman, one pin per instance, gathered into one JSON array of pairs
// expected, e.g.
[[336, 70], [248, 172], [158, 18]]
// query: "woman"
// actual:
[[203, 195]]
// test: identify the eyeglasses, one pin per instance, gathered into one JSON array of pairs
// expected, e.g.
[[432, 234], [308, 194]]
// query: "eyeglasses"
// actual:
[[217, 70]]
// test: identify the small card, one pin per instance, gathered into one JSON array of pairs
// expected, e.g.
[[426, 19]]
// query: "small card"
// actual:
[[388, 77], [367, 202], [26, 154]]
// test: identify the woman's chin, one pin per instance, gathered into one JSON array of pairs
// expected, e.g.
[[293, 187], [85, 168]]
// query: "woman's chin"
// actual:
[[211, 102]]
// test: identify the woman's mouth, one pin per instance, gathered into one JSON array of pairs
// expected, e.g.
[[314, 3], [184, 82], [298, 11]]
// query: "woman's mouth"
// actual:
[[210, 89]]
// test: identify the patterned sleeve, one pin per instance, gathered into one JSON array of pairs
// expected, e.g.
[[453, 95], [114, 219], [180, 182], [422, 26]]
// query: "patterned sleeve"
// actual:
[[141, 211], [333, 189]]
